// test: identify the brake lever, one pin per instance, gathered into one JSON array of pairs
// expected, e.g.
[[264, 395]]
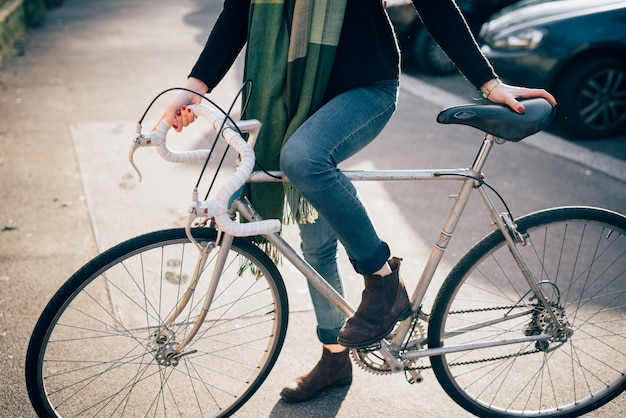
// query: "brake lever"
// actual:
[[145, 139]]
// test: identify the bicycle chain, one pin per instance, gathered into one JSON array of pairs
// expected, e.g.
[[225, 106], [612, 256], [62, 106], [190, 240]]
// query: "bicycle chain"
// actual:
[[361, 356], [485, 360], [493, 308]]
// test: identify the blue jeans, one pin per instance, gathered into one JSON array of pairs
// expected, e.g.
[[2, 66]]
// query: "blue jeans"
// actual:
[[337, 131]]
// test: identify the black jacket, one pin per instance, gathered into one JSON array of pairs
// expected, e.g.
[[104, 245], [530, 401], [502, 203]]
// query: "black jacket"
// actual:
[[367, 51]]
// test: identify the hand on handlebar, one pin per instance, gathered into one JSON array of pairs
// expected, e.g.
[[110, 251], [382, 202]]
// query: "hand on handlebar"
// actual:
[[508, 94], [177, 114]]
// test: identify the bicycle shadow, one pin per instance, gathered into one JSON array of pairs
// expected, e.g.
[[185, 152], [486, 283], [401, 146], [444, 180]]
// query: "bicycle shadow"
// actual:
[[325, 405]]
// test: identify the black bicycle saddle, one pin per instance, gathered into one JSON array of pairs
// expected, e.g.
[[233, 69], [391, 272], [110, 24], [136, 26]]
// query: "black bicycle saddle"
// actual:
[[500, 120]]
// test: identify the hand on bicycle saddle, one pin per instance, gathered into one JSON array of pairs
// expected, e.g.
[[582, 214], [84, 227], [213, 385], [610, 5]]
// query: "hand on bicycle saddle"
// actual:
[[499, 92]]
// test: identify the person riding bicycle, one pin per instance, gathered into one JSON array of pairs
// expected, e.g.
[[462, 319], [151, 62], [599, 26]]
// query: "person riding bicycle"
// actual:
[[326, 81]]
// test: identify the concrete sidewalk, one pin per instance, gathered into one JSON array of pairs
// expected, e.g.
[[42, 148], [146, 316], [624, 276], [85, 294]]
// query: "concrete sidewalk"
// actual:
[[70, 105]]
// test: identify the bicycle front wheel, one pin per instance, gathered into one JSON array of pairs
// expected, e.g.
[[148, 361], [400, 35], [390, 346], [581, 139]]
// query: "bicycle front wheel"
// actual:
[[578, 257], [99, 346]]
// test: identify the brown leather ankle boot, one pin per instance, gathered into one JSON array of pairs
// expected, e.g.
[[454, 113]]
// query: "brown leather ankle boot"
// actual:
[[333, 370], [383, 303]]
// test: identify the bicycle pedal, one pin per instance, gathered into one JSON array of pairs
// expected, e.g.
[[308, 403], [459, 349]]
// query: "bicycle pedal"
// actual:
[[414, 376], [368, 349]]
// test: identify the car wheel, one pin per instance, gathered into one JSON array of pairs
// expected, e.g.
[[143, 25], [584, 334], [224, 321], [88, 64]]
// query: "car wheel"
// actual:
[[592, 98], [429, 57]]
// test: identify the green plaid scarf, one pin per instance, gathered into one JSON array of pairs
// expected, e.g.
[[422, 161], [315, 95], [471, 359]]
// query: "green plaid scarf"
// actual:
[[290, 54]]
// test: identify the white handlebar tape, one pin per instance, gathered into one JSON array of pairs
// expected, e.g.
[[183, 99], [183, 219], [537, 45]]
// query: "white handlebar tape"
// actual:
[[219, 206], [158, 140]]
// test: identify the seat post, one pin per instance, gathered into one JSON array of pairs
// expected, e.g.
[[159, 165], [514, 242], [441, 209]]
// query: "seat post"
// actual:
[[483, 152]]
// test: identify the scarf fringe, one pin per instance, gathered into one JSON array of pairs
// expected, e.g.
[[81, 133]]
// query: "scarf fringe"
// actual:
[[297, 208], [271, 252]]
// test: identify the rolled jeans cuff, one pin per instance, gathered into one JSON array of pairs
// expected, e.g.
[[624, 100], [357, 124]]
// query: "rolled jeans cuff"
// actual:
[[373, 263], [328, 336]]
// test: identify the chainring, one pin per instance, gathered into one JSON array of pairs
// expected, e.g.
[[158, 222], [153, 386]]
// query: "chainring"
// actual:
[[370, 359]]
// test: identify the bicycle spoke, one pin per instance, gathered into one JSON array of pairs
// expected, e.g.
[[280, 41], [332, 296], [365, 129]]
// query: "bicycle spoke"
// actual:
[[107, 349], [579, 264]]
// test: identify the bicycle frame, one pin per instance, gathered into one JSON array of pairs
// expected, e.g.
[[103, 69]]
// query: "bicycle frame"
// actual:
[[471, 179]]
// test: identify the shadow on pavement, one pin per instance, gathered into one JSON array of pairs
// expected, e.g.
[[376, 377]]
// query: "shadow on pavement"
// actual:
[[330, 402]]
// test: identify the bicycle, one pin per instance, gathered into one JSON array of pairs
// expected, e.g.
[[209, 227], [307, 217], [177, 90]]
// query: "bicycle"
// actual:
[[531, 321]]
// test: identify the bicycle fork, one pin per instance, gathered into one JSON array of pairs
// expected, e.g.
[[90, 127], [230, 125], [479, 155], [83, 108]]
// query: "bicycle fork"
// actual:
[[169, 351]]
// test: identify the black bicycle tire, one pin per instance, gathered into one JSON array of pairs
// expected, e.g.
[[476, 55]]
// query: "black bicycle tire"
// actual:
[[86, 274], [474, 257]]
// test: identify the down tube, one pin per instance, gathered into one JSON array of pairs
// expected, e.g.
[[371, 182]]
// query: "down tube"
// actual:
[[305, 268]]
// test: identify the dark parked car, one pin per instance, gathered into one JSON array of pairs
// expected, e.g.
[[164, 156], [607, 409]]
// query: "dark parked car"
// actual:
[[419, 47], [574, 48]]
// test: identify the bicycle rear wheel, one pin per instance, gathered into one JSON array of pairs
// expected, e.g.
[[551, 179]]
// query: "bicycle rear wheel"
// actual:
[[95, 349], [578, 256]]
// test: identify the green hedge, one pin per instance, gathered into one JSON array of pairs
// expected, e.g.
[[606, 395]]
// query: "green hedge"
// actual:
[[16, 16], [34, 11], [12, 27]]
